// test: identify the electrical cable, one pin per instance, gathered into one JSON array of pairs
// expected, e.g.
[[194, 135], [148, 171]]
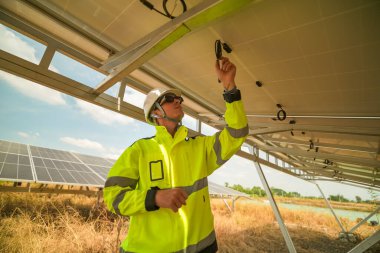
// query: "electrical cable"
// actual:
[[168, 14], [164, 3]]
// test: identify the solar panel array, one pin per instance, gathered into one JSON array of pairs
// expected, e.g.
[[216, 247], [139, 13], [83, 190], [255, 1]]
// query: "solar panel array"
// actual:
[[14, 162], [25, 163], [62, 167]]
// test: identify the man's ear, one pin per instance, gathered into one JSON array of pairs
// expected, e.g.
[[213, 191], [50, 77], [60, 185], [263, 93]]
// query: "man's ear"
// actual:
[[157, 112]]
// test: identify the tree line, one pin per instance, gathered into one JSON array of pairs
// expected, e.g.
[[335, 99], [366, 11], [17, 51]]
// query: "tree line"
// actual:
[[257, 191]]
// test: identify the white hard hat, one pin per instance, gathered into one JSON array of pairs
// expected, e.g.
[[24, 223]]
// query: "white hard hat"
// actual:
[[152, 97]]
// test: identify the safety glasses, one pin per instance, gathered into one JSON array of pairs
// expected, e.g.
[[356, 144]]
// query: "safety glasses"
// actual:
[[169, 98]]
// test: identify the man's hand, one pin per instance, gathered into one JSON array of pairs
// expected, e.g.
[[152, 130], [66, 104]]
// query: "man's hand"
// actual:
[[226, 72], [171, 198]]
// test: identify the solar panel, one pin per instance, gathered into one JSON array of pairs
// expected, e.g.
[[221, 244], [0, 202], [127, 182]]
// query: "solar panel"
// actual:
[[99, 165], [15, 163], [62, 167], [94, 160]]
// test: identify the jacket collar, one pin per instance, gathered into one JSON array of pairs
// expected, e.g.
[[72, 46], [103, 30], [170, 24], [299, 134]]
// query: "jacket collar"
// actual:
[[163, 136]]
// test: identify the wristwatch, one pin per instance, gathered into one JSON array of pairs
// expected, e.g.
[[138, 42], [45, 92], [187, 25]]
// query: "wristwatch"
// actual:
[[232, 95]]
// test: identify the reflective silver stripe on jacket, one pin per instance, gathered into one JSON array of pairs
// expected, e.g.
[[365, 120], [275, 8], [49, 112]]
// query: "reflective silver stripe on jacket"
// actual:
[[117, 201], [238, 133], [218, 150], [121, 181], [200, 245], [198, 185]]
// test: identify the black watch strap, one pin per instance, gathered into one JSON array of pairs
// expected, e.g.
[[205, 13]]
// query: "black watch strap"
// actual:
[[150, 203], [231, 96]]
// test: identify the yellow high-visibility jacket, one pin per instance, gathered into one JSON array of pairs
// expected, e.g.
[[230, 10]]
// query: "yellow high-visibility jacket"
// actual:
[[163, 162]]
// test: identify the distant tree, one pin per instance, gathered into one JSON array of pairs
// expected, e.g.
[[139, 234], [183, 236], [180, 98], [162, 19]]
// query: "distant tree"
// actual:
[[338, 197], [374, 196], [278, 192], [293, 194], [240, 188], [256, 190], [226, 184], [358, 199]]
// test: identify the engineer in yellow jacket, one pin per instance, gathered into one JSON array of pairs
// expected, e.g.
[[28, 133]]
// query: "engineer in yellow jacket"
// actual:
[[161, 182]]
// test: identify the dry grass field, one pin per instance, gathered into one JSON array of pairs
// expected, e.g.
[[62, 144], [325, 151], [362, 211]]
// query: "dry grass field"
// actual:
[[36, 223]]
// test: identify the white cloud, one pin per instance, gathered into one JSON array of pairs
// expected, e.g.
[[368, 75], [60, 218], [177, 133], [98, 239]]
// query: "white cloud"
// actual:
[[100, 149], [23, 134], [113, 153], [33, 90], [134, 97], [83, 143], [11, 43], [102, 115], [28, 135]]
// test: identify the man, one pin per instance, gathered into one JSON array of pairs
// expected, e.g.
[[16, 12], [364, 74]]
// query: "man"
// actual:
[[161, 182]]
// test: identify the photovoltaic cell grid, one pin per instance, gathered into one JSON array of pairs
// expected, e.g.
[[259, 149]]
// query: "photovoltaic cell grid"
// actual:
[[61, 167], [97, 164], [14, 162]]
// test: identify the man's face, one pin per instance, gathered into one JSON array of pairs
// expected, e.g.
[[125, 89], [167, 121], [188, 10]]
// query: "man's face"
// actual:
[[172, 106]]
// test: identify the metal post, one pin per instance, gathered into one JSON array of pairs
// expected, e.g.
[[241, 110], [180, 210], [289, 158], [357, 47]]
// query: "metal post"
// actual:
[[199, 126], [331, 209], [225, 202], [233, 203], [284, 231], [364, 220], [367, 243]]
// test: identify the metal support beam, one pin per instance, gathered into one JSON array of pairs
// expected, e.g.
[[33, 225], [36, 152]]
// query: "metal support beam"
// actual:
[[367, 173], [35, 73], [120, 96], [270, 130], [28, 27], [149, 46], [367, 243], [323, 129], [284, 231], [323, 145], [364, 220], [320, 155], [47, 57], [341, 176], [331, 209], [45, 189]]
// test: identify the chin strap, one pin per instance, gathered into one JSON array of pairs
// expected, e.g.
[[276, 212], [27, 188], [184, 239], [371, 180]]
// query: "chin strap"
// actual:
[[155, 116]]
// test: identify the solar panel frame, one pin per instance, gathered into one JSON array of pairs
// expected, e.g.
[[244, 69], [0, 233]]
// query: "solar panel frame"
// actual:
[[15, 164]]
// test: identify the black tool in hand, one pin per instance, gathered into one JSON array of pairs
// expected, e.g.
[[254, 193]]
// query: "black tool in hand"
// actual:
[[218, 51]]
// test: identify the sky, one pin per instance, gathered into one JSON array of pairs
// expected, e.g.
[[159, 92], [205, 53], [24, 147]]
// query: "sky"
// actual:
[[36, 115]]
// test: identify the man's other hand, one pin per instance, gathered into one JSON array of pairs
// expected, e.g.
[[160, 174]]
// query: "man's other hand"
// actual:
[[171, 198]]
